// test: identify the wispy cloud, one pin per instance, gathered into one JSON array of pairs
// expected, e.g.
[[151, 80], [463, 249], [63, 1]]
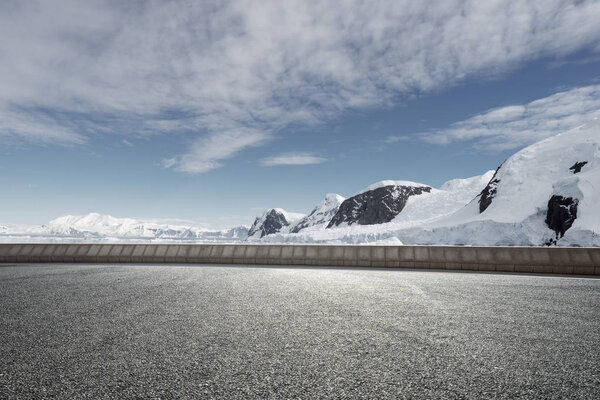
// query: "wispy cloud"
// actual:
[[388, 142], [206, 152], [300, 158], [37, 126], [240, 71], [395, 139], [517, 125]]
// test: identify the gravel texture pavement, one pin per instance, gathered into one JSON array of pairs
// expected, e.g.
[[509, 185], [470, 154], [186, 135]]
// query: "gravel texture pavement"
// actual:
[[160, 331]]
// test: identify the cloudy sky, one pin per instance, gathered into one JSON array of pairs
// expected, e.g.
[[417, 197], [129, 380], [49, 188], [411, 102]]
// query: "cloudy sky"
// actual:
[[213, 111]]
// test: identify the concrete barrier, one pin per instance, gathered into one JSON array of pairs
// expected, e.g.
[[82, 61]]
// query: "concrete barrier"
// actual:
[[557, 260]]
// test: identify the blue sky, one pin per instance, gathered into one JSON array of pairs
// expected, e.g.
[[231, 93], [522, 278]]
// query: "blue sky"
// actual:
[[210, 114]]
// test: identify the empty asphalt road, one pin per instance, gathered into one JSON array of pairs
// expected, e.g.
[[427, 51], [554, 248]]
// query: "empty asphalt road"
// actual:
[[138, 331]]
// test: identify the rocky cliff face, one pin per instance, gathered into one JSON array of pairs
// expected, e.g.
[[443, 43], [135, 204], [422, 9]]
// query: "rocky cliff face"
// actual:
[[270, 222], [562, 212], [489, 192], [375, 206]]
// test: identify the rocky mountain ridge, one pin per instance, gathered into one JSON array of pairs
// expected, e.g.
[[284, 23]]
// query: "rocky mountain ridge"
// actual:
[[375, 206], [545, 194]]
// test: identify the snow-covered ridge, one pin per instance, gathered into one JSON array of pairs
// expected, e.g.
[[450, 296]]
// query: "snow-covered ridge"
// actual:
[[420, 209], [290, 216], [525, 184], [321, 214], [272, 221], [107, 225], [330, 202], [96, 226], [385, 183], [467, 185], [451, 197]]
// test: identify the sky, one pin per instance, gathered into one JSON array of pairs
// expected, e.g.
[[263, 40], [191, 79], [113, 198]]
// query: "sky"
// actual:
[[211, 112]]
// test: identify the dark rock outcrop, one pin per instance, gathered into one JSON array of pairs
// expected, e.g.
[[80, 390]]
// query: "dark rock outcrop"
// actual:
[[489, 192], [562, 212], [577, 166], [375, 206], [270, 222]]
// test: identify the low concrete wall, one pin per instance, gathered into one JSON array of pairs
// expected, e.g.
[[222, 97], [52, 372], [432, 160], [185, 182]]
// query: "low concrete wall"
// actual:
[[560, 260]]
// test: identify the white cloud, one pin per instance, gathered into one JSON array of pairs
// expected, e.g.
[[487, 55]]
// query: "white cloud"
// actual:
[[210, 69], [299, 158], [38, 127], [517, 125], [395, 139], [386, 143], [206, 152]]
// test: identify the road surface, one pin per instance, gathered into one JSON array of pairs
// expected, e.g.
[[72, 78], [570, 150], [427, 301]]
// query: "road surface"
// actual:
[[161, 331]]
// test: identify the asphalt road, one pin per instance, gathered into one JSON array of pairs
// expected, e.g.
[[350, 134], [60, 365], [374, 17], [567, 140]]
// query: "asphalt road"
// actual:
[[133, 331]]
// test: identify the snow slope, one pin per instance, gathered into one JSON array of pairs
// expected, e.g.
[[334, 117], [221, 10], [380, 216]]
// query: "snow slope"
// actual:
[[452, 196], [527, 180]]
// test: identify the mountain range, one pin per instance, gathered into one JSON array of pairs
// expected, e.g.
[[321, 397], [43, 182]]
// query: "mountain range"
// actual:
[[97, 227], [546, 194]]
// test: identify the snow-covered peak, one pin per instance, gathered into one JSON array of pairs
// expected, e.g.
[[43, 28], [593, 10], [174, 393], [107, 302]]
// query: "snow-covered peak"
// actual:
[[99, 227], [560, 174], [331, 201], [468, 184], [289, 216], [94, 225], [92, 222], [321, 214], [108, 225], [271, 221], [385, 183], [526, 181]]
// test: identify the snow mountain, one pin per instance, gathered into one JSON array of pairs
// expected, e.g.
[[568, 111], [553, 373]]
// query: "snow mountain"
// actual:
[[398, 202], [272, 221], [546, 194], [96, 226], [321, 214], [450, 197], [377, 204]]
